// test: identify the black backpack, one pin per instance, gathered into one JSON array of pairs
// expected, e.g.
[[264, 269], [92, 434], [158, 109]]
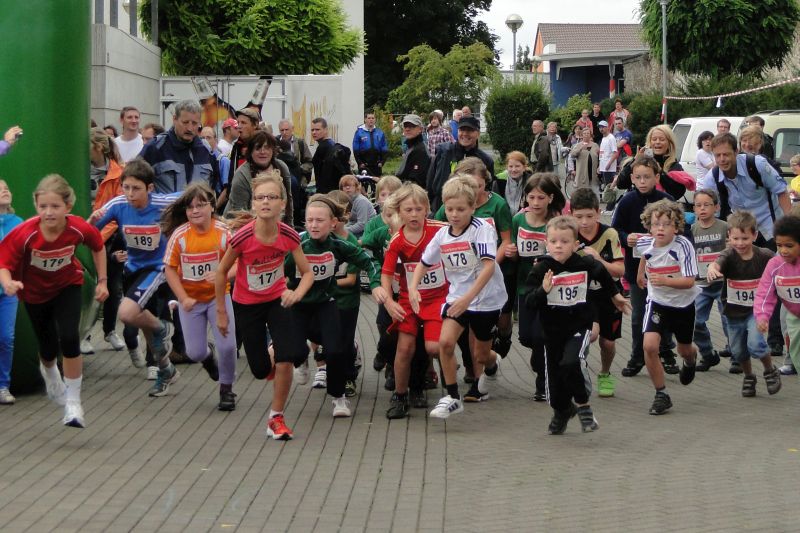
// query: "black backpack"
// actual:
[[755, 175], [339, 159]]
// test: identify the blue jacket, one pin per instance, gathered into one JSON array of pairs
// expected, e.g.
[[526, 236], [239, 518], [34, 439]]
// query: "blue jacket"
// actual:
[[176, 163], [369, 147]]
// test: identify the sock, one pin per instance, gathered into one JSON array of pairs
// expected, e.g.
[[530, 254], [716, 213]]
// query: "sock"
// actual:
[[225, 388], [163, 363], [73, 388], [662, 390], [273, 414], [52, 372], [452, 390]]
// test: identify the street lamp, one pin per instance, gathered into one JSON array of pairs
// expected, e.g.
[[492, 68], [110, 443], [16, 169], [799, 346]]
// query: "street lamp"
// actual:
[[664, 55], [514, 22]]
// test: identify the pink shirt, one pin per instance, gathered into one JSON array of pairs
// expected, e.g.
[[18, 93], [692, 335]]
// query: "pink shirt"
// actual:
[[779, 280]]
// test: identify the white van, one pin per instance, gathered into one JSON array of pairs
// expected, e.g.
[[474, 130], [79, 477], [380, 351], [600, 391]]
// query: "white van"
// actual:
[[686, 132]]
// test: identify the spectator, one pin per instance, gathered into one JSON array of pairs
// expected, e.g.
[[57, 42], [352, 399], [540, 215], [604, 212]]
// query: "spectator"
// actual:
[[327, 171], [576, 137], [370, 147], [624, 139], [209, 135], [362, 210], [595, 118], [704, 160], [510, 183], [454, 123], [10, 139], [767, 148], [723, 126], [130, 141], [299, 148], [415, 162], [111, 131], [607, 159], [437, 133], [541, 159], [150, 131], [556, 150], [585, 154], [620, 112], [466, 111], [585, 122], [661, 142], [230, 132]]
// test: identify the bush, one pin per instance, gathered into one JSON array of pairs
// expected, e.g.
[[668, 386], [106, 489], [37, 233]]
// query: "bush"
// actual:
[[566, 116], [607, 105], [510, 109], [383, 120]]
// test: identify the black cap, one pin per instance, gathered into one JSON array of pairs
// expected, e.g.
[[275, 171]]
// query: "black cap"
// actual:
[[470, 123]]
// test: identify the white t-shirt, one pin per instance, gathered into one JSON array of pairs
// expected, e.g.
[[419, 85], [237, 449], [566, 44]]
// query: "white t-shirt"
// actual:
[[607, 148], [677, 260], [462, 259], [703, 159], [129, 149], [224, 147]]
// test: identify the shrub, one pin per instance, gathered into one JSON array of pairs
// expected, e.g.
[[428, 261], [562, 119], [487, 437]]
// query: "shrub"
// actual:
[[566, 116], [510, 109]]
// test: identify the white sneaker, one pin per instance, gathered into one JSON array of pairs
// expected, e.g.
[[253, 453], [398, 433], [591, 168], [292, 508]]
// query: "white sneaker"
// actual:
[[321, 378], [137, 359], [86, 347], [73, 414], [152, 373], [301, 374], [6, 398], [114, 340], [56, 390], [447, 406], [341, 407], [483, 387]]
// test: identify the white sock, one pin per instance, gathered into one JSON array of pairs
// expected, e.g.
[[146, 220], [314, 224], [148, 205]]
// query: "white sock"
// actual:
[[73, 388], [274, 413], [52, 372]]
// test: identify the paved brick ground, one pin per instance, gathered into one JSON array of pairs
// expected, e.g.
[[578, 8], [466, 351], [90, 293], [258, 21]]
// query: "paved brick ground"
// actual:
[[716, 462]]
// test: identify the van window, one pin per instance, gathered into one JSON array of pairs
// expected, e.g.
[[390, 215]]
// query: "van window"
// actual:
[[681, 132], [787, 144]]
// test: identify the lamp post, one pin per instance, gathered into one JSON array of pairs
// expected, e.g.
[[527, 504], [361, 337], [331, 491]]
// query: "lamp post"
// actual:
[[514, 22], [664, 55]]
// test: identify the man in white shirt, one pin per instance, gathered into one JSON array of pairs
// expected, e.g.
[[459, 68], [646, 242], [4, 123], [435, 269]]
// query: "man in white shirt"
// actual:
[[607, 166], [230, 132], [130, 142]]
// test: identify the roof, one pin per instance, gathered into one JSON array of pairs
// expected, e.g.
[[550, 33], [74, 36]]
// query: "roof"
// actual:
[[572, 39]]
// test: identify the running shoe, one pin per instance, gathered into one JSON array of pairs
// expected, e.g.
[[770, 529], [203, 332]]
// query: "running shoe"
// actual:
[[749, 386], [558, 424], [418, 399], [114, 340], [152, 373], [162, 340], [788, 370], [320, 378], [606, 385], [501, 345], [398, 407], [632, 369], [301, 374], [773, 380], [661, 403], [277, 428], [227, 401], [726, 353], [469, 377], [587, 419], [349, 388], [166, 377], [341, 407], [539, 396], [56, 390], [137, 359], [73, 414], [6, 398], [687, 373], [735, 368], [474, 394], [447, 406], [210, 363], [86, 347], [706, 362], [489, 375], [379, 362]]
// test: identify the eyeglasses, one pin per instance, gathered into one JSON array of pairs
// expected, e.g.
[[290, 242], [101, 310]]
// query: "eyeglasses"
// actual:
[[270, 197], [198, 206]]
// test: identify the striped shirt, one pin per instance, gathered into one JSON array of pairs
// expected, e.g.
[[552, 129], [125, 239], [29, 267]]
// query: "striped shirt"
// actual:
[[677, 259]]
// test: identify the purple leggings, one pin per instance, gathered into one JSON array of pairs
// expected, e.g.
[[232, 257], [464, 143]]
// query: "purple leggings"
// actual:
[[195, 334]]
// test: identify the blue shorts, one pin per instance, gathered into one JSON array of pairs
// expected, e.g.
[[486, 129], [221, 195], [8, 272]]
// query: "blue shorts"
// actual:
[[148, 288]]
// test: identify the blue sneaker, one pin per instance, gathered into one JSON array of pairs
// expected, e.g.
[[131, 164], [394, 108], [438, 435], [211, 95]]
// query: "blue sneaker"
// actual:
[[166, 377]]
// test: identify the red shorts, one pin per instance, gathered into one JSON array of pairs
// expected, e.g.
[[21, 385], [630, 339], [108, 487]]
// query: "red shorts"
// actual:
[[429, 317]]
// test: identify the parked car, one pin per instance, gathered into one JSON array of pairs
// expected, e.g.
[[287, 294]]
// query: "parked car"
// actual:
[[686, 132], [784, 127]]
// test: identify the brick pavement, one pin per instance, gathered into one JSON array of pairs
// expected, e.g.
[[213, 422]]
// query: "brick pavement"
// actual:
[[716, 462]]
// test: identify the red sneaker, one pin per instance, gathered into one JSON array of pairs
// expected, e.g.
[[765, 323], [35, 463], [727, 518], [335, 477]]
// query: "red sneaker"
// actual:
[[277, 429]]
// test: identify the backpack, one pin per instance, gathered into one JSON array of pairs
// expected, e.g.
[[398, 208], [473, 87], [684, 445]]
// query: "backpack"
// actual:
[[339, 159], [755, 175]]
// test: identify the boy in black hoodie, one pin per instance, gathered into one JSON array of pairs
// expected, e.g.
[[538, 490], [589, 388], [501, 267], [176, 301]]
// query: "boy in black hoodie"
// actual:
[[557, 288]]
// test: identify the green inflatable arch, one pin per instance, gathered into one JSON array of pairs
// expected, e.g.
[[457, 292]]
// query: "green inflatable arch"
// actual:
[[45, 72]]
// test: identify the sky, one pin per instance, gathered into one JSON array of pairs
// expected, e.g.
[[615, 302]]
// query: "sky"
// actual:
[[535, 11]]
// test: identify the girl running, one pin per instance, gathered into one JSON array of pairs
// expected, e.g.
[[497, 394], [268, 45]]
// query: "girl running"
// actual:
[[197, 243], [38, 261], [8, 304]]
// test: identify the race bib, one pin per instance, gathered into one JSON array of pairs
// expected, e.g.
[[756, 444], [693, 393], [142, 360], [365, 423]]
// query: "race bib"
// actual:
[[671, 271], [262, 277], [433, 279], [530, 243], [142, 237], [788, 288], [459, 256], [703, 261], [322, 265], [742, 292], [195, 267], [52, 260], [568, 289]]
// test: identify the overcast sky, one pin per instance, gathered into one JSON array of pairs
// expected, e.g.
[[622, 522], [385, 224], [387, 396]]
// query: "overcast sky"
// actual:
[[535, 11]]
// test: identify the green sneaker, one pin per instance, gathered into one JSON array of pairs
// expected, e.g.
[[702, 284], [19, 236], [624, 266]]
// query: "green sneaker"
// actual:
[[605, 385]]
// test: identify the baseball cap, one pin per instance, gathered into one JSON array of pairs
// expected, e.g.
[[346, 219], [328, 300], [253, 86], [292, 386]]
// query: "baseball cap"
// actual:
[[471, 123], [603, 124], [412, 119], [230, 123], [250, 113]]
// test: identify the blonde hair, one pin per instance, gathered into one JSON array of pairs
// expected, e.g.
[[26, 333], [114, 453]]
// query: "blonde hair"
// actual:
[[54, 183], [669, 159], [341, 199], [407, 191], [752, 133], [388, 182], [100, 137], [460, 186], [473, 166], [262, 178], [10, 208], [563, 222], [743, 221], [390, 217], [336, 209], [672, 210]]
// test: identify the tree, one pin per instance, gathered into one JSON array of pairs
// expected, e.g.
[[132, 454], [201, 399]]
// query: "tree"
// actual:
[[524, 59], [393, 28], [510, 109], [434, 81], [722, 37], [201, 37]]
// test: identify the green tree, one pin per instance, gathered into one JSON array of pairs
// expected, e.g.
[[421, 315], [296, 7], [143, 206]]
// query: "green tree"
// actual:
[[524, 59], [200, 37], [434, 81], [567, 115], [393, 28], [510, 109], [723, 36]]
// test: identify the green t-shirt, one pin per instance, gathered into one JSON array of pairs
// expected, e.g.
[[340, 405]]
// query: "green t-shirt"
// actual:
[[530, 244], [350, 297], [376, 239]]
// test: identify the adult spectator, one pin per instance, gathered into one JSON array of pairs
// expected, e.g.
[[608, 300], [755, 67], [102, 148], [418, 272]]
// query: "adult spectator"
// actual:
[[723, 126], [585, 154], [585, 122], [247, 120], [556, 150], [661, 142], [129, 142], [576, 137], [766, 202], [370, 147], [454, 123], [624, 139], [150, 131], [704, 160], [449, 154], [619, 112], [10, 139], [607, 158], [595, 118], [466, 111], [111, 131], [767, 144], [437, 133], [180, 156], [262, 154], [415, 162], [230, 132], [541, 159], [327, 170], [209, 135], [299, 148]]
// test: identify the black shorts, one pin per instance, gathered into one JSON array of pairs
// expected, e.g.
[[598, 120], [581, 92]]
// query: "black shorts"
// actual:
[[252, 321], [610, 320], [510, 281], [678, 320], [480, 322], [56, 323], [148, 288]]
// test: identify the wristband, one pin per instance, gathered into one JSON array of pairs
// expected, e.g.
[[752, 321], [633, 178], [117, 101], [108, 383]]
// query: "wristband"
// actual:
[[104, 278]]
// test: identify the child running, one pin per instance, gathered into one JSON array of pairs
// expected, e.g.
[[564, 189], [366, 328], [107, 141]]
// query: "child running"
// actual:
[[260, 296], [543, 200], [742, 265], [198, 240], [8, 304], [557, 287], [668, 269], [37, 261], [466, 247]]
